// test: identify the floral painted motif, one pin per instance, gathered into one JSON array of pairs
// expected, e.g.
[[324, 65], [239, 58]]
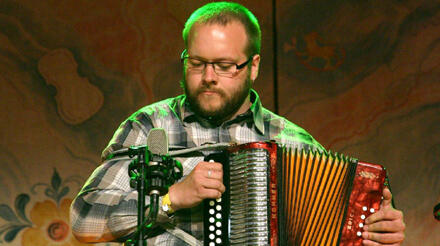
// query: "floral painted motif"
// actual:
[[15, 221], [50, 225], [49, 220]]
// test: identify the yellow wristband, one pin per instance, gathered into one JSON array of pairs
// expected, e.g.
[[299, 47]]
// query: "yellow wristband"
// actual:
[[166, 204]]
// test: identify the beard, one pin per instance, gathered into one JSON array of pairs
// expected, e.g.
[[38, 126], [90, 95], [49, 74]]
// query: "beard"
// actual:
[[229, 103]]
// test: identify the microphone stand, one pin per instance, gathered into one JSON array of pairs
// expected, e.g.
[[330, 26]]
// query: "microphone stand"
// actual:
[[150, 174]]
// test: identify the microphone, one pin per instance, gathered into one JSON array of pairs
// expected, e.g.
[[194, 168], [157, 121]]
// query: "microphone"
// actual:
[[151, 172], [162, 170], [157, 141], [157, 144]]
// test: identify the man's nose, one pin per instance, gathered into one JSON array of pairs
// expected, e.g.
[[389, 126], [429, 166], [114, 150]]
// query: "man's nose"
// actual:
[[209, 74]]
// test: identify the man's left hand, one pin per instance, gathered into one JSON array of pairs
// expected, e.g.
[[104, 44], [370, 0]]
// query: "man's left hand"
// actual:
[[386, 226]]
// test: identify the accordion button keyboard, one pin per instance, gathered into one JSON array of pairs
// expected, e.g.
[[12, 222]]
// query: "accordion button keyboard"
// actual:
[[363, 217]]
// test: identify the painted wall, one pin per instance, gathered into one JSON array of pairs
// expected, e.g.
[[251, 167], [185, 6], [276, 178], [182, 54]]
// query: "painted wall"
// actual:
[[363, 77]]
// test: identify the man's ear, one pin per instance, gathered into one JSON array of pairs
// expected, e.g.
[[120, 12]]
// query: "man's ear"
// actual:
[[255, 65]]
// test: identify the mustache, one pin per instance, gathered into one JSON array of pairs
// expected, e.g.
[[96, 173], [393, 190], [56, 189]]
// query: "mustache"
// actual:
[[210, 89]]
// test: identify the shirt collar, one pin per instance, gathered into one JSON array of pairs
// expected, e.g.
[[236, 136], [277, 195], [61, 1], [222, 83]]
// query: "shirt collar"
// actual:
[[256, 110]]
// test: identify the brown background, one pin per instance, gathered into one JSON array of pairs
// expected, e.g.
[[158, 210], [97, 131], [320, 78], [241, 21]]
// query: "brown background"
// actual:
[[361, 76]]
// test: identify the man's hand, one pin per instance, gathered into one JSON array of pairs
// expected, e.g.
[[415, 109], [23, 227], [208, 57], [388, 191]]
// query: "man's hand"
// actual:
[[385, 227], [204, 181]]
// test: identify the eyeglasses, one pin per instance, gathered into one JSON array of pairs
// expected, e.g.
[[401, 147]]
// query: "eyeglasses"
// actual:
[[224, 69]]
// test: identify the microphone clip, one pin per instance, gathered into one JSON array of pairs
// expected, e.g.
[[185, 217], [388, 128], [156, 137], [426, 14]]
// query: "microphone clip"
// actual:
[[156, 172], [162, 172]]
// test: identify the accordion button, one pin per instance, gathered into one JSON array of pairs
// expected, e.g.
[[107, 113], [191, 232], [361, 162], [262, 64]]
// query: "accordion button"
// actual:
[[218, 207], [218, 232], [364, 208], [359, 233], [372, 210], [211, 219], [363, 217], [219, 199], [211, 228], [218, 216], [211, 203], [218, 240], [211, 244], [361, 225], [211, 236], [218, 224], [211, 211]]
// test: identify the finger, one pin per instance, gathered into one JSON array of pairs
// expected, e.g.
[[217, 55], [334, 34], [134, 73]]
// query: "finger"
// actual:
[[384, 214], [372, 243], [387, 196], [213, 184], [383, 238], [214, 170], [210, 174], [385, 226], [205, 193], [204, 168], [215, 166]]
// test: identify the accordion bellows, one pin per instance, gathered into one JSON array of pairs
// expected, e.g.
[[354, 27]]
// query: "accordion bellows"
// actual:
[[280, 196]]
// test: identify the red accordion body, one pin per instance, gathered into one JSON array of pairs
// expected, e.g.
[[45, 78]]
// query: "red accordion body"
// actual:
[[280, 196]]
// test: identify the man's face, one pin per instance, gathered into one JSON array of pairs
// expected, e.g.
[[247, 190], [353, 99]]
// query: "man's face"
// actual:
[[216, 97]]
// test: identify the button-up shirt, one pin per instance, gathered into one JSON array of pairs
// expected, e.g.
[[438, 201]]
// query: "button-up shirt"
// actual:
[[106, 207]]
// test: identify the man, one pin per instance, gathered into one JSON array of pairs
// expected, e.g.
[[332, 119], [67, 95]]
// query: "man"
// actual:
[[221, 62]]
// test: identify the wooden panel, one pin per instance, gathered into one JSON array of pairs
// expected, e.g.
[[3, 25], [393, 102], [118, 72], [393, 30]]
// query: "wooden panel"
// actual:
[[362, 77]]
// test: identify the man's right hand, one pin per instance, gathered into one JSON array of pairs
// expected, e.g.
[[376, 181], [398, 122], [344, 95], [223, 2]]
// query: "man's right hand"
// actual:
[[204, 181]]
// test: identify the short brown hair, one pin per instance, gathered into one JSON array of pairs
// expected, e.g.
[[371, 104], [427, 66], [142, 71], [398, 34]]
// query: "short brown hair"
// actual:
[[223, 13]]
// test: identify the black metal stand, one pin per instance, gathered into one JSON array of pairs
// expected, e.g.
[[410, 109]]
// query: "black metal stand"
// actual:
[[150, 174]]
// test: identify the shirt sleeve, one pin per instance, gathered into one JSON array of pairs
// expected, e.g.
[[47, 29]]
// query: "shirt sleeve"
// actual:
[[106, 207], [293, 136]]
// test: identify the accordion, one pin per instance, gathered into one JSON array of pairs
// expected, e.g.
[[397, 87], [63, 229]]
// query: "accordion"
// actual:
[[280, 196]]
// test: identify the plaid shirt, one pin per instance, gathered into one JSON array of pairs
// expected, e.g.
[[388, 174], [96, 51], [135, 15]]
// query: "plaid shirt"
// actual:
[[106, 207]]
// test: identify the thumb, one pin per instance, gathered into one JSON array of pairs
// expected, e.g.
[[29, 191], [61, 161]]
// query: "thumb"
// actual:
[[386, 197]]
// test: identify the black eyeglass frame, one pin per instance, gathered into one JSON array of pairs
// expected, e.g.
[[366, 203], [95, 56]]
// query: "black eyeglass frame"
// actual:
[[185, 55]]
